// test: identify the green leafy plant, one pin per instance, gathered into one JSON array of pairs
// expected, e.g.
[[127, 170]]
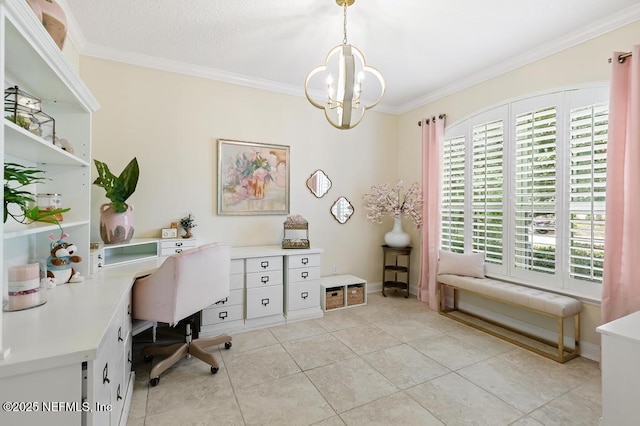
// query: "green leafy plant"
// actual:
[[188, 221], [19, 120], [16, 177], [118, 188]]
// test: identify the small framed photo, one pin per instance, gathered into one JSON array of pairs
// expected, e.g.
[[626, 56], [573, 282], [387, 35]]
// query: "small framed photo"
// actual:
[[169, 233]]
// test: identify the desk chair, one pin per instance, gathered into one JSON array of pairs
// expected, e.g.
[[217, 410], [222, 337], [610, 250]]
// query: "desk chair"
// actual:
[[183, 285]]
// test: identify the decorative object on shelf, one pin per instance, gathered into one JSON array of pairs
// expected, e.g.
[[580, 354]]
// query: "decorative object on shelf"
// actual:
[[50, 202], [116, 218], [253, 178], [319, 183], [296, 233], [383, 199], [187, 223], [54, 20], [63, 144], [345, 66], [62, 255], [37, 10], [25, 111], [342, 210], [25, 289], [16, 177], [169, 233]]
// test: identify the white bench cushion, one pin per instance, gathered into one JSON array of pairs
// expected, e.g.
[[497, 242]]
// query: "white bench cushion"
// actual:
[[543, 301]]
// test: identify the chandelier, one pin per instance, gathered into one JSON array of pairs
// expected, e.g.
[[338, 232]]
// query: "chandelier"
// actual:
[[347, 77]]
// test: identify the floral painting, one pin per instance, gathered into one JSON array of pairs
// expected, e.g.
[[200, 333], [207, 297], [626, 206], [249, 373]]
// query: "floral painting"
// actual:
[[253, 178]]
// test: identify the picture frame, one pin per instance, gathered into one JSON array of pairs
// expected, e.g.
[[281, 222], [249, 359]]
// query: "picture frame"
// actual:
[[253, 178], [169, 232]]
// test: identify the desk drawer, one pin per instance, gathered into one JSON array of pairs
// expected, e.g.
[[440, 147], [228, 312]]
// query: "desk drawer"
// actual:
[[303, 274], [303, 295], [262, 264], [303, 260], [174, 244], [266, 278], [236, 281], [236, 297], [213, 316], [265, 301]]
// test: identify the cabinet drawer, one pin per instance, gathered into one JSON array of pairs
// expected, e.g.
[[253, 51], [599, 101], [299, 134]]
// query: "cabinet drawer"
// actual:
[[264, 301], [266, 278], [213, 316], [303, 274], [173, 244], [303, 295], [236, 297], [303, 260], [259, 264], [236, 282], [237, 266]]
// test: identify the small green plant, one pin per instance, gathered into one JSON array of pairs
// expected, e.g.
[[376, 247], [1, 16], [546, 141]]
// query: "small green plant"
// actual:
[[19, 120], [118, 188], [188, 221], [16, 177]]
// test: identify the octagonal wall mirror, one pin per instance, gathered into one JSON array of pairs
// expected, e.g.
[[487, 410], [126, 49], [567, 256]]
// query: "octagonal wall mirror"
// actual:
[[319, 183], [342, 210]]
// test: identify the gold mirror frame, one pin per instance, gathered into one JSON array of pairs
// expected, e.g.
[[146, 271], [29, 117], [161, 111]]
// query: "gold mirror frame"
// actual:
[[319, 183], [342, 210]]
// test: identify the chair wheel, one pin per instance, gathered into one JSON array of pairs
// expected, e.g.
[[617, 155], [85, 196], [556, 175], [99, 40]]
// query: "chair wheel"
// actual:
[[227, 345], [154, 381], [214, 370], [148, 358]]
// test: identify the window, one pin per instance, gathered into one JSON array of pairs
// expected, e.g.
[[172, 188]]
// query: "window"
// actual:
[[524, 183]]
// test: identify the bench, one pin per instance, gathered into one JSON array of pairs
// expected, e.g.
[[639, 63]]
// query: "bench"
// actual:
[[541, 302]]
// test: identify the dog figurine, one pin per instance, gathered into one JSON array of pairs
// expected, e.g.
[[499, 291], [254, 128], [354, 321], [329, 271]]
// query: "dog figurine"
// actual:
[[59, 269]]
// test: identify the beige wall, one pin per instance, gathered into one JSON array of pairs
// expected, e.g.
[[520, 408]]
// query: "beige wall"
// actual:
[[171, 122], [581, 65]]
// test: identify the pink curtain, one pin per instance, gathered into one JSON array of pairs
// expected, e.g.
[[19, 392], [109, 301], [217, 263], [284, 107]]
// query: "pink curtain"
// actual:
[[432, 137], [621, 278]]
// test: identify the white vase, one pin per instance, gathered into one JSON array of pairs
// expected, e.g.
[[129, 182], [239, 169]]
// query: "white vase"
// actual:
[[397, 237]]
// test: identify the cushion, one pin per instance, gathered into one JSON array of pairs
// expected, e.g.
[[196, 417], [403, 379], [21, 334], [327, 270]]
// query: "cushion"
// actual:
[[468, 265]]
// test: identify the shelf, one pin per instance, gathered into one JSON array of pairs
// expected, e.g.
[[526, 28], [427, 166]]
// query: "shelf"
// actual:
[[134, 251], [38, 227], [344, 282], [21, 143], [396, 268]]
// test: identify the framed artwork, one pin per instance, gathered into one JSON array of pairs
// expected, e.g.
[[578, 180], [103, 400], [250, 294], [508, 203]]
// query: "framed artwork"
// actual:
[[253, 178]]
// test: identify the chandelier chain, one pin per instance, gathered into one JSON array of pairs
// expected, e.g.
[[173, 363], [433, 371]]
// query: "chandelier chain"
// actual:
[[344, 40]]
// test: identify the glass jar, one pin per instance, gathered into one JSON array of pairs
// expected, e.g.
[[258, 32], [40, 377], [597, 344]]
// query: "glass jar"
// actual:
[[50, 202]]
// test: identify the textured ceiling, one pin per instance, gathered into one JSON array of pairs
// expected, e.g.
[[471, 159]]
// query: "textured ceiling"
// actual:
[[424, 48]]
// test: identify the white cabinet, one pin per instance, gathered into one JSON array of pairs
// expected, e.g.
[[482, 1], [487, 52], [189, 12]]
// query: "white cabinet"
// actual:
[[169, 247], [620, 371], [342, 291], [302, 287], [269, 286]]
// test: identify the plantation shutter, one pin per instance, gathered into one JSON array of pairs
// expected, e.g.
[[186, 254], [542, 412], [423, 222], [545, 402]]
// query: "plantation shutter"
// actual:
[[588, 158], [453, 181], [488, 190], [535, 190]]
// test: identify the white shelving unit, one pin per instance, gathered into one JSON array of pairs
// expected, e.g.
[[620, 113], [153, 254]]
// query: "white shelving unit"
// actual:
[[31, 60], [345, 282]]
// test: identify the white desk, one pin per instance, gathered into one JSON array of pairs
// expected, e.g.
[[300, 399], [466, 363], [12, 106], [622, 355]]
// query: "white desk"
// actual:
[[621, 371]]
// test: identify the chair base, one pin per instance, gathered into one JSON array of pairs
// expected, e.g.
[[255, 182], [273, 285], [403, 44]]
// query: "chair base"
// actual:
[[177, 351]]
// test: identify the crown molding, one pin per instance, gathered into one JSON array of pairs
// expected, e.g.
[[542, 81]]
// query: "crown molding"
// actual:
[[620, 19], [624, 17]]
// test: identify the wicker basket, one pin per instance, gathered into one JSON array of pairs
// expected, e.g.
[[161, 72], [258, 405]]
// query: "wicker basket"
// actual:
[[355, 294], [335, 298]]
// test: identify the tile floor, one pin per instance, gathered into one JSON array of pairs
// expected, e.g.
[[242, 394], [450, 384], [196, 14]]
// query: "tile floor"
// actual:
[[391, 362]]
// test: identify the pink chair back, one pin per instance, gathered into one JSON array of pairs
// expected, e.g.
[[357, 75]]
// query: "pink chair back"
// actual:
[[184, 284]]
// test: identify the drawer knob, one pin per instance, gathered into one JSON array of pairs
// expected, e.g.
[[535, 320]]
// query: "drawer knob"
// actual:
[[222, 315], [120, 334], [304, 294], [178, 250], [105, 374], [305, 274], [264, 279], [305, 260], [265, 302], [178, 244], [264, 264], [223, 301], [118, 396]]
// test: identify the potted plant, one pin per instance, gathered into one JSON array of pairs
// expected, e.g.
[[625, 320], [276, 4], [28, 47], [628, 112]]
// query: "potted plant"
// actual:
[[116, 217], [187, 223], [16, 177]]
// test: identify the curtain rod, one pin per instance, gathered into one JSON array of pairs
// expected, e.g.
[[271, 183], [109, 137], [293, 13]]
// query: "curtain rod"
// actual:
[[441, 116], [622, 57]]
